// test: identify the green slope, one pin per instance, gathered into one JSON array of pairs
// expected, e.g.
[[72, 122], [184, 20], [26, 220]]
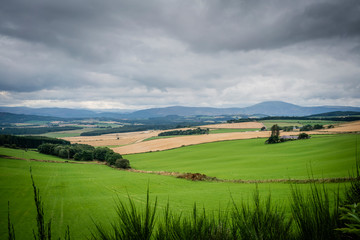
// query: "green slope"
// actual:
[[325, 156], [76, 194]]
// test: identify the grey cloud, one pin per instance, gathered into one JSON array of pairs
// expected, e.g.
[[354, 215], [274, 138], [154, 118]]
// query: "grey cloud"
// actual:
[[91, 29], [172, 52]]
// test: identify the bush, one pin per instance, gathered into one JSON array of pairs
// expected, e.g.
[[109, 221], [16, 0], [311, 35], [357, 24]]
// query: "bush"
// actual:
[[306, 128], [111, 157], [100, 153], [318, 126], [273, 139], [122, 163], [303, 136]]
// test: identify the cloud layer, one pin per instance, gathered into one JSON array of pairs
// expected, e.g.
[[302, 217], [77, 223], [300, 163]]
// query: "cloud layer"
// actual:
[[139, 54]]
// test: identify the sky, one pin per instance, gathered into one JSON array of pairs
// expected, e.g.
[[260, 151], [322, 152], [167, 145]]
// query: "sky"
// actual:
[[135, 54]]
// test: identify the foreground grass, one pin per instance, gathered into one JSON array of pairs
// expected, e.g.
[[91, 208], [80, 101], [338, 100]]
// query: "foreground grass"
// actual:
[[326, 156], [76, 195]]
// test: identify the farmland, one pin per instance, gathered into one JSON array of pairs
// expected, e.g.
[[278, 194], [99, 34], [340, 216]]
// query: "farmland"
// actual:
[[81, 194], [75, 194], [324, 156]]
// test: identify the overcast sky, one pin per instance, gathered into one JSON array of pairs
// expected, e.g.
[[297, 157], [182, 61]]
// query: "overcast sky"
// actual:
[[139, 54]]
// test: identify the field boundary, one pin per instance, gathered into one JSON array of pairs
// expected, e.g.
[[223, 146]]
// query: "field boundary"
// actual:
[[201, 177]]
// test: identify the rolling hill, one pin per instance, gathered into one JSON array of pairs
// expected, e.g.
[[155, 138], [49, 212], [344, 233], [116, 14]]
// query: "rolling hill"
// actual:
[[271, 108]]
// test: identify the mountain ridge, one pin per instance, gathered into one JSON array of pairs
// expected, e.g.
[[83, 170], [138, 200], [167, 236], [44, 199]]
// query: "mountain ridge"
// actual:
[[270, 108]]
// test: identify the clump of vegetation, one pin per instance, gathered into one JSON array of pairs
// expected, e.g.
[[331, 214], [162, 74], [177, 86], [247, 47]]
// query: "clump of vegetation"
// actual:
[[196, 131], [303, 136], [35, 130], [310, 127], [275, 135], [122, 163], [81, 152], [28, 141]]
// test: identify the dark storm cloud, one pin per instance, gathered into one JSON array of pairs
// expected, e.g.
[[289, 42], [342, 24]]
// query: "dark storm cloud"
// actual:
[[139, 50], [90, 29]]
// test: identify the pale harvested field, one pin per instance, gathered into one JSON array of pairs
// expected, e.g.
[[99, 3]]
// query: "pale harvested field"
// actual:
[[235, 125], [175, 142], [133, 142], [111, 139], [345, 127]]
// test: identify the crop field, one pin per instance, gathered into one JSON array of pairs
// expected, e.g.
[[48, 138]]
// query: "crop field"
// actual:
[[81, 194], [325, 156], [78, 194]]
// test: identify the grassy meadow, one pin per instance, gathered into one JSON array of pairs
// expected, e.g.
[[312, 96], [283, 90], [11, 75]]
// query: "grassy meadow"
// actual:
[[78, 194], [324, 156], [81, 194]]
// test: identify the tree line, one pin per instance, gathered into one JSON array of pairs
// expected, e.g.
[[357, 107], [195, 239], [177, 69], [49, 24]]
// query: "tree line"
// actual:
[[196, 131], [84, 152], [28, 141], [35, 130]]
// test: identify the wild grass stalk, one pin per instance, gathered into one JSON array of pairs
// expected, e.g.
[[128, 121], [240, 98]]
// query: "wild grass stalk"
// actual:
[[11, 230], [261, 221], [198, 225], [43, 229], [315, 216], [132, 223]]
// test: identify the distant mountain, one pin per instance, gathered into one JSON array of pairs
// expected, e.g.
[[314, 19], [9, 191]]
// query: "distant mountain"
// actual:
[[53, 112], [182, 111], [278, 108], [21, 118], [272, 108]]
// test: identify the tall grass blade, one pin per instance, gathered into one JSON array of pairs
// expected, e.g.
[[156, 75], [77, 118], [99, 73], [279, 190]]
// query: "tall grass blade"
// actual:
[[131, 222], [314, 216], [43, 229], [11, 230], [261, 221]]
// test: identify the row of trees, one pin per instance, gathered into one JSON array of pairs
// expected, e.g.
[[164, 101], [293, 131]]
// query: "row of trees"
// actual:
[[35, 130], [84, 152], [311, 127], [28, 141], [275, 136], [196, 131]]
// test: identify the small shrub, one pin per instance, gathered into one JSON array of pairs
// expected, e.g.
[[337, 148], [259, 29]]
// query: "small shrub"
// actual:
[[273, 139], [303, 136], [111, 157], [122, 163]]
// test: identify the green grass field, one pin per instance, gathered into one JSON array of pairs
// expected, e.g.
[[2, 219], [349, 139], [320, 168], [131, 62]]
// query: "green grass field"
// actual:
[[326, 156], [78, 194], [30, 154], [282, 123]]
